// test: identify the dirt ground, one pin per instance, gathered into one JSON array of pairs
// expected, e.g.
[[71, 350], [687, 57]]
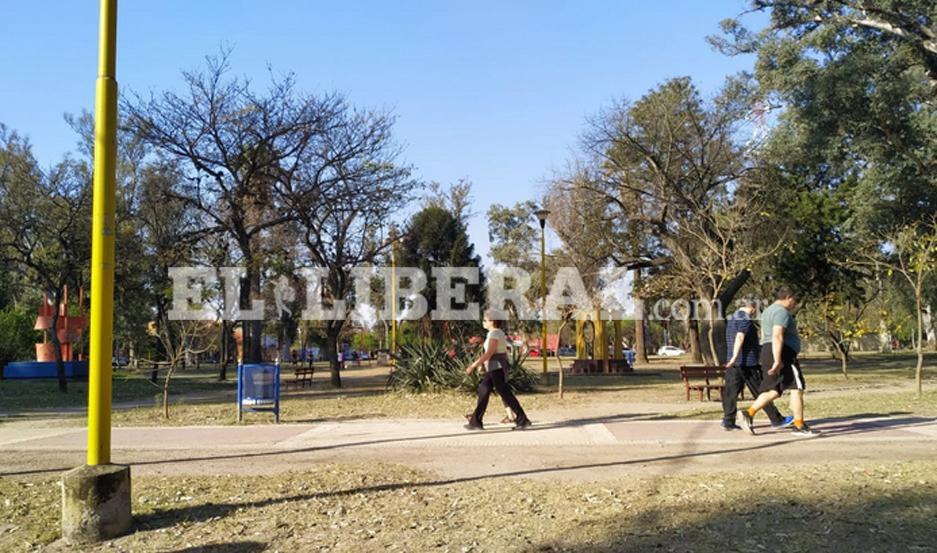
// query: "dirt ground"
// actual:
[[618, 466]]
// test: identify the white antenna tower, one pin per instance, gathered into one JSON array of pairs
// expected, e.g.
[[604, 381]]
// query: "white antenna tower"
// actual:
[[759, 119]]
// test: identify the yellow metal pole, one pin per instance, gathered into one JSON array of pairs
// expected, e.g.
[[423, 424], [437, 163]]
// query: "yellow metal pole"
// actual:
[[543, 297], [600, 347], [102, 241]]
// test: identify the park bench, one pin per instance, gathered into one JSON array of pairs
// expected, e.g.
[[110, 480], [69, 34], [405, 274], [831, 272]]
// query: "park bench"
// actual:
[[704, 379], [301, 376]]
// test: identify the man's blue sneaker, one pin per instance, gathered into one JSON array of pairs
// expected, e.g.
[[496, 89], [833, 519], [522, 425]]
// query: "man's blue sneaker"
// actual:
[[785, 423]]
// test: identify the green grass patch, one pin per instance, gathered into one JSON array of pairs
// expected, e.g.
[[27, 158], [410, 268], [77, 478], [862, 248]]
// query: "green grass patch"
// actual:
[[879, 383], [31, 395]]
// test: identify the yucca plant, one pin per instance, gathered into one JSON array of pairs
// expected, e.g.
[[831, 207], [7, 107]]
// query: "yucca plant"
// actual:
[[431, 365], [423, 366], [519, 378]]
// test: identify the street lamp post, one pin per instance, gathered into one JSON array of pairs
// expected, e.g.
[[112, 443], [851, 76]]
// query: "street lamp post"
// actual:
[[542, 217], [393, 295]]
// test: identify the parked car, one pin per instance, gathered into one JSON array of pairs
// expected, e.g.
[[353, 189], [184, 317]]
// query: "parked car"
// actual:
[[567, 351], [670, 351]]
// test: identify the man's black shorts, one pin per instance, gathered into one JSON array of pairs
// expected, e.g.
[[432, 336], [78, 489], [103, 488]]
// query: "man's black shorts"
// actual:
[[790, 377]]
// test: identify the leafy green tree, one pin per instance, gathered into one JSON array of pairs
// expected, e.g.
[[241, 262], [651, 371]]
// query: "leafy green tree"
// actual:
[[435, 237], [906, 30], [364, 341], [910, 254], [17, 337], [514, 235], [854, 140], [813, 261], [855, 79], [45, 219], [678, 194]]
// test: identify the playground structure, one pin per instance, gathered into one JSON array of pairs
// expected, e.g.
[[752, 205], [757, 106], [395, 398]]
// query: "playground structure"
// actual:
[[68, 329], [601, 361]]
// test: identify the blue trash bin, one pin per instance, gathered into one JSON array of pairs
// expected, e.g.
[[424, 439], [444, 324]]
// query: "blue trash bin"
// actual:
[[259, 389]]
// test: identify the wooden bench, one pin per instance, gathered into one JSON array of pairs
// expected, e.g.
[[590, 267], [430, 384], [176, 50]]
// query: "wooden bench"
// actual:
[[302, 376], [703, 379]]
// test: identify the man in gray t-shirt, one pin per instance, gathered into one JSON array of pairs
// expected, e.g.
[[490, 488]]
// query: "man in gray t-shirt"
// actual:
[[780, 345], [777, 314]]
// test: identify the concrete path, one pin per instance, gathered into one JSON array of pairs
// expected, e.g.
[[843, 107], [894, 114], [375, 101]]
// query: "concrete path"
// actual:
[[584, 449]]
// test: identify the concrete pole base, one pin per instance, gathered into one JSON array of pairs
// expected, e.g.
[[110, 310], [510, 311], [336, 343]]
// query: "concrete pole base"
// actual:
[[95, 503]]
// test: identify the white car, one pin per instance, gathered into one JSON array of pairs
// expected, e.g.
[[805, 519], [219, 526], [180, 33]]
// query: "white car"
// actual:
[[670, 351]]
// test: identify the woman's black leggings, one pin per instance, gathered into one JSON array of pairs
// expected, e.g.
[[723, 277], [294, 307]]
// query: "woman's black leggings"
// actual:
[[494, 379]]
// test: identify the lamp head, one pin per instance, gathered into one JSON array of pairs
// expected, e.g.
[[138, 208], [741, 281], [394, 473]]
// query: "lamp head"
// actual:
[[542, 216]]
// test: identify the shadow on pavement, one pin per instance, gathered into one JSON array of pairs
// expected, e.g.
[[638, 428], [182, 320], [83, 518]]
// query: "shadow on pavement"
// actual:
[[228, 547], [160, 519]]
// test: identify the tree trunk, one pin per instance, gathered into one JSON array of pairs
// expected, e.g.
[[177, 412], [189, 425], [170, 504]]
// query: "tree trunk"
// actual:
[[256, 345], [884, 337], [640, 341], [842, 353], [724, 306], [168, 379], [332, 331], [918, 372], [692, 331], [224, 354], [252, 330], [56, 344], [928, 321], [711, 338], [288, 333], [559, 363]]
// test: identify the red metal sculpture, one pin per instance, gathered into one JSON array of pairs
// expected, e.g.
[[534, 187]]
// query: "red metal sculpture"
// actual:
[[68, 328]]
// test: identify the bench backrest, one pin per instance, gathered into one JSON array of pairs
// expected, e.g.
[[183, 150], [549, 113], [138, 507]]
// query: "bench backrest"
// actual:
[[706, 372]]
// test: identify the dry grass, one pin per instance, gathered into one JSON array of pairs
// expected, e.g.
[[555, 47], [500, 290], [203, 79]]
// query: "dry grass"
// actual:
[[831, 507]]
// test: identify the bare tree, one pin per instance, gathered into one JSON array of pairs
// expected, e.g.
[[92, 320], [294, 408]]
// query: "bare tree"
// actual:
[[235, 148], [343, 201], [179, 341]]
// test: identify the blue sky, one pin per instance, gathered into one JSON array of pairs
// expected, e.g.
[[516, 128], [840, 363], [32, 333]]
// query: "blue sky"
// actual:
[[496, 92]]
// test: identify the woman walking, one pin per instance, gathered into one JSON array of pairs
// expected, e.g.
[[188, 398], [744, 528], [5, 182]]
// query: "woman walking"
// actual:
[[495, 359]]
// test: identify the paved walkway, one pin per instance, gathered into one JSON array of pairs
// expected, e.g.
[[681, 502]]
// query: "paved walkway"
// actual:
[[584, 449]]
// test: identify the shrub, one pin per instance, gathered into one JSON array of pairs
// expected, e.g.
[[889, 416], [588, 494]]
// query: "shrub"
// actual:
[[431, 365], [17, 337]]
